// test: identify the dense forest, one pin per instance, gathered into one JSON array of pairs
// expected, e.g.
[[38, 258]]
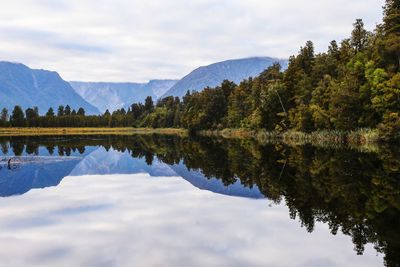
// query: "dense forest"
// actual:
[[353, 85]]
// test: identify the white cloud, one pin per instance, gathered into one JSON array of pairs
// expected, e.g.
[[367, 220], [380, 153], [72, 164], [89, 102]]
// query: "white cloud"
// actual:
[[124, 40]]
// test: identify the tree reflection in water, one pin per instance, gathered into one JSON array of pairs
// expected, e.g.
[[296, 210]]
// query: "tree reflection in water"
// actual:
[[354, 192]]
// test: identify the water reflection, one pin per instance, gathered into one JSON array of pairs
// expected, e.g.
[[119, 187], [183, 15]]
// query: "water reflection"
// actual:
[[351, 192]]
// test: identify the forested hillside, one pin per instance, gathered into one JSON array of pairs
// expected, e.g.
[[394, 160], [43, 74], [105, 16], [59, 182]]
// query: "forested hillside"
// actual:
[[355, 84]]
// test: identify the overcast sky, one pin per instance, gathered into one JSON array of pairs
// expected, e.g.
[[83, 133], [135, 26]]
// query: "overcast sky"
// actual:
[[137, 40]]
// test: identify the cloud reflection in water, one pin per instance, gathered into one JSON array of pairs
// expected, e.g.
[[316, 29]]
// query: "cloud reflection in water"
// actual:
[[133, 220]]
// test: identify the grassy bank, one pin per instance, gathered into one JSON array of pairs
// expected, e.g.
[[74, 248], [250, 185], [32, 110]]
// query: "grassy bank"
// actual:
[[88, 131], [361, 137]]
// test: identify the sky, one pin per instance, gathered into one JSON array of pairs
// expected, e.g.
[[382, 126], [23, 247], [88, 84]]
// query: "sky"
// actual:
[[138, 40]]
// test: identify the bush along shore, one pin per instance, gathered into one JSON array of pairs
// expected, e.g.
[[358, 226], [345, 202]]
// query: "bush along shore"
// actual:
[[364, 139]]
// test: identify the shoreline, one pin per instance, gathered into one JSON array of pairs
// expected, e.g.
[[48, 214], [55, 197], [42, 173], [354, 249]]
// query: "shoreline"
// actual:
[[357, 138], [27, 131], [360, 136], [361, 139]]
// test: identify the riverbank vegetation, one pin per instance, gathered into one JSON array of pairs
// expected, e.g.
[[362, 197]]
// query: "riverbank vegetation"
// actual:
[[335, 95], [40, 131], [361, 137]]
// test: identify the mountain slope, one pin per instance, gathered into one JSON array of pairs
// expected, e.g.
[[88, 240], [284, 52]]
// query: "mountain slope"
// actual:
[[20, 85], [113, 96], [212, 75]]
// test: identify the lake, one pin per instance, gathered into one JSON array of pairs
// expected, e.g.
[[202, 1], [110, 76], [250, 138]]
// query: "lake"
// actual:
[[154, 200]]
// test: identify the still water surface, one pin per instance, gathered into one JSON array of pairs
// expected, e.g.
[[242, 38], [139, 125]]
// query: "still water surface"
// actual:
[[169, 201]]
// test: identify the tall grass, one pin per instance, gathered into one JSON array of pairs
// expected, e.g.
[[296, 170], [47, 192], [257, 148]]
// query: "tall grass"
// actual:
[[366, 138]]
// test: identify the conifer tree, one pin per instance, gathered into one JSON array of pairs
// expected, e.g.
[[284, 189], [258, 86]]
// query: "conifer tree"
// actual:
[[17, 118]]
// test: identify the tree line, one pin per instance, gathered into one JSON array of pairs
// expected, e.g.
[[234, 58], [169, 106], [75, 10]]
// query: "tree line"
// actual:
[[354, 84], [67, 117]]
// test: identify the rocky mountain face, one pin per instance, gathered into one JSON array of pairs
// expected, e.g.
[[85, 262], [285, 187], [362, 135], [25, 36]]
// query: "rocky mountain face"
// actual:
[[212, 75], [114, 96], [20, 85]]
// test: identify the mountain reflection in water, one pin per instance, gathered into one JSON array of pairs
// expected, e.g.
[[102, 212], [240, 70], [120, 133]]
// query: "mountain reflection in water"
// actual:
[[352, 192]]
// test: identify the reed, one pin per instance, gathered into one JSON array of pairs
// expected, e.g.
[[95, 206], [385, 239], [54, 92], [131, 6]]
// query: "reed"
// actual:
[[366, 138]]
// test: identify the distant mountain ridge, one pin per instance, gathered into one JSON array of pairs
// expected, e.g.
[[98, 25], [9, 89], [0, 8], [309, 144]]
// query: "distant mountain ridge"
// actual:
[[235, 70], [112, 96], [20, 85]]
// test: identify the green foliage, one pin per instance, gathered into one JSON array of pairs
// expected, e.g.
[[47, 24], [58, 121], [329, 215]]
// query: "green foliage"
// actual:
[[50, 113], [60, 111], [359, 36], [389, 129], [81, 112], [205, 110], [32, 117], [148, 104], [344, 108], [17, 117], [4, 118], [386, 94], [391, 35], [67, 110]]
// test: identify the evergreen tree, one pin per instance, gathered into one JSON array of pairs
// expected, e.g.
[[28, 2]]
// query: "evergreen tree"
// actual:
[[359, 36], [391, 38], [67, 110], [32, 117], [50, 113], [17, 118], [60, 111], [137, 110], [148, 104], [81, 112], [4, 117]]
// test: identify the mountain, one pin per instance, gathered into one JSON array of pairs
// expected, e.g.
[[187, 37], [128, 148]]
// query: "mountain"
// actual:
[[113, 96], [20, 85], [212, 75]]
